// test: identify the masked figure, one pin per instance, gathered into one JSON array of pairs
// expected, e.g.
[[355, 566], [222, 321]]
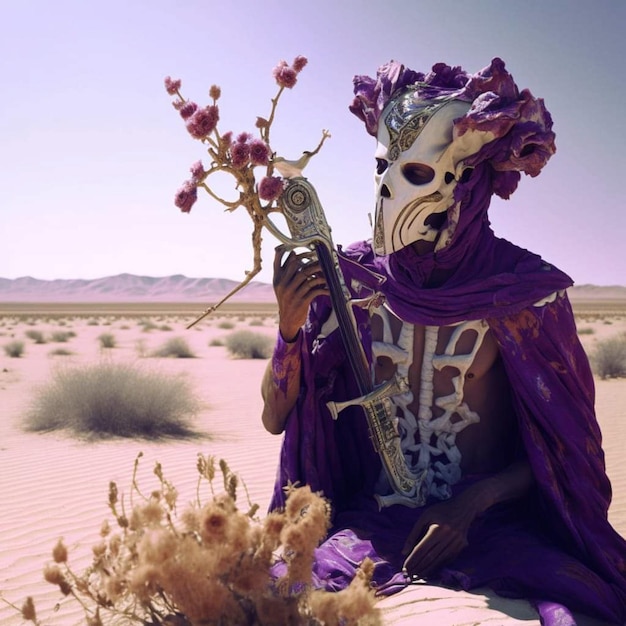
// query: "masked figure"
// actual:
[[497, 424]]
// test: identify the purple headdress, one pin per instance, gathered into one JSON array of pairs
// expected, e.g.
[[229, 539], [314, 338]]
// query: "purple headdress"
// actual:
[[518, 127]]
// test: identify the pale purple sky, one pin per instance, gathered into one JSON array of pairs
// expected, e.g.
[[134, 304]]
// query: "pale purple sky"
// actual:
[[92, 151]]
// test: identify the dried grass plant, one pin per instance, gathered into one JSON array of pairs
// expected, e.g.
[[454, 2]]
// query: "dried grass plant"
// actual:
[[608, 358], [245, 344], [62, 336], [14, 349], [210, 565], [107, 340], [36, 335], [114, 400], [176, 347]]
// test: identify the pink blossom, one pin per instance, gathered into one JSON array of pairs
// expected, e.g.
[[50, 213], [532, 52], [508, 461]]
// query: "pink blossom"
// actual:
[[203, 122], [171, 85], [215, 92], [285, 76], [186, 196], [227, 139], [259, 152], [178, 104], [187, 109], [243, 137], [197, 172], [240, 154], [299, 62], [270, 188]]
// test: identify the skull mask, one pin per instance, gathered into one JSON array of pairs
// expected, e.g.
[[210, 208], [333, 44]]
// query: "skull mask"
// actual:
[[416, 170]]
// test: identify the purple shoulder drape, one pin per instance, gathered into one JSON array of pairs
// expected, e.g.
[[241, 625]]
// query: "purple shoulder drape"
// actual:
[[516, 550]]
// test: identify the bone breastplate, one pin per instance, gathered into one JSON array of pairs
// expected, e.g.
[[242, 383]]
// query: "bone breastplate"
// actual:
[[428, 421]]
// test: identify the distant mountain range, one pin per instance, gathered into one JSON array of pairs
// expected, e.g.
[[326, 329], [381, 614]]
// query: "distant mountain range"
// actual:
[[179, 288], [130, 288]]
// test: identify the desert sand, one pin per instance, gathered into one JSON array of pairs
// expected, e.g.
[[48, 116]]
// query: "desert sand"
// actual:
[[53, 486]]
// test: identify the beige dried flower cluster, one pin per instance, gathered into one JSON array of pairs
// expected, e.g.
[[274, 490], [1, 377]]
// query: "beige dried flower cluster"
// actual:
[[210, 565]]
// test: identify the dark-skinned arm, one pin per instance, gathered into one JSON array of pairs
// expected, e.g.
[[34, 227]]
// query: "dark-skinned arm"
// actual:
[[297, 282], [441, 530]]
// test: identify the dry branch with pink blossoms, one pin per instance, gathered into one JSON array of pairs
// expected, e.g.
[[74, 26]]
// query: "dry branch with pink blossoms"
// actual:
[[238, 156]]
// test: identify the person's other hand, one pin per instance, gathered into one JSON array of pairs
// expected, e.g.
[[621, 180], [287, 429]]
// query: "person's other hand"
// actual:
[[439, 535]]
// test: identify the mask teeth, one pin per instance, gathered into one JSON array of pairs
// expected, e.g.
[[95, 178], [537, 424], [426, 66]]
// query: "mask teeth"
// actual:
[[379, 230]]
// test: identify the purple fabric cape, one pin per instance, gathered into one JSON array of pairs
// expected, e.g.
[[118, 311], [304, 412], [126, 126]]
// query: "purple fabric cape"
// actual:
[[557, 545]]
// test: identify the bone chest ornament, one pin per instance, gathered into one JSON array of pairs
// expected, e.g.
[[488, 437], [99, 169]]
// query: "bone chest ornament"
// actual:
[[428, 441]]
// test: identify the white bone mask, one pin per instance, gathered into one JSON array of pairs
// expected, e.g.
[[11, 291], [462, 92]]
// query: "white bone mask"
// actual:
[[417, 170]]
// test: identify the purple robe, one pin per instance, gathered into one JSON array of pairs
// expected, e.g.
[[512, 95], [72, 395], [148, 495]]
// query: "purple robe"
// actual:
[[556, 545]]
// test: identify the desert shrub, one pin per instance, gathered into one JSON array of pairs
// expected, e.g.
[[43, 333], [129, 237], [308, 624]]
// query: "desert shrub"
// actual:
[[256, 322], [35, 335], [226, 325], [107, 340], [14, 349], [176, 347], [608, 359], [93, 322], [586, 331], [245, 344], [114, 400], [147, 325], [61, 336], [165, 327], [60, 352], [216, 343]]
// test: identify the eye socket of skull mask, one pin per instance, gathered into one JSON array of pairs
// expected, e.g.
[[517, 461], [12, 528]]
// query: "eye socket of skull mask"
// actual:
[[418, 173], [414, 171]]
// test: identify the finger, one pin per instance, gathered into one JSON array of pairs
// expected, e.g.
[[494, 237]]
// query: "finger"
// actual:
[[311, 271], [312, 288], [438, 558], [279, 253], [432, 554], [414, 536], [289, 271], [418, 551]]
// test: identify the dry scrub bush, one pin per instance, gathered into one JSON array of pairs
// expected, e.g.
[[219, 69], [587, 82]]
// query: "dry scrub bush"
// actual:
[[211, 565], [608, 359], [35, 335], [60, 352], [586, 331], [14, 349], [114, 400], [147, 325], [62, 336], [107, 340], [245, 344], [176, 347]]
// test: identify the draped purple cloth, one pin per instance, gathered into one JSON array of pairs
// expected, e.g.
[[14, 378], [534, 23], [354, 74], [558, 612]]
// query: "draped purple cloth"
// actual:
[[555, 547]]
